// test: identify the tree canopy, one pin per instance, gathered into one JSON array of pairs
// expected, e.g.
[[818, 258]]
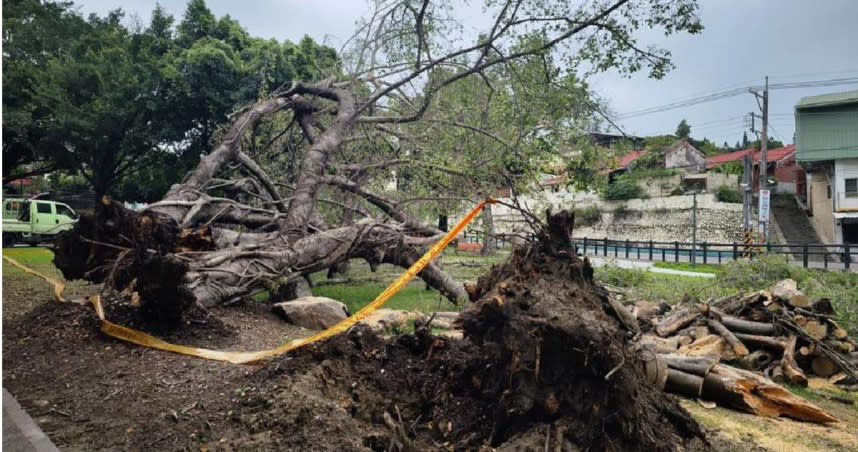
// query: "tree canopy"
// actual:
[[131, 108], [683, 130]]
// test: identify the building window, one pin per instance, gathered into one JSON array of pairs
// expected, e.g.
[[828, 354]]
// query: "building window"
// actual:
[[851, 187], [828, 190]]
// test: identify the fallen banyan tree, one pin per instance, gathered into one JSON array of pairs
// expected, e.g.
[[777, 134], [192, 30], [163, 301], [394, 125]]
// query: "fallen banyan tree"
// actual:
[[545, 362]]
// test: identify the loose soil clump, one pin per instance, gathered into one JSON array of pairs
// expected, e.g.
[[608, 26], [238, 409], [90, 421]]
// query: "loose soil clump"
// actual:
[[545, 363]]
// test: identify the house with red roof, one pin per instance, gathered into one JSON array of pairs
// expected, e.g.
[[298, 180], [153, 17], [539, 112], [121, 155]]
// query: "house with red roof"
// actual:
[[782, 170], [735, 156]]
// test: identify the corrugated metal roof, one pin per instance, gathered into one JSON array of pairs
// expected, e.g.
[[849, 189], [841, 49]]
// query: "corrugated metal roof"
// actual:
[[827, 100]]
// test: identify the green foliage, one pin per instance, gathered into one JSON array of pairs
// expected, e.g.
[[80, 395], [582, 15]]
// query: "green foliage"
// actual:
[[132, 109], [736, 168], [588, 216], [772, 144], [623, 188], [652, 160], [707, 147], [683, 130], [622, 211], [653, 173], [725, 193]]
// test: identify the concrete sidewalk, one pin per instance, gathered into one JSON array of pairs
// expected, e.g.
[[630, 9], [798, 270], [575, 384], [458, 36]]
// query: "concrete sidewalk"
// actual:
[[645, 266], [20, 433]]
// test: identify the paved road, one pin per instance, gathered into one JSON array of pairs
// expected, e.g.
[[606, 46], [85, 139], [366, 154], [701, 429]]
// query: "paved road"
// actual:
[[20, 433]]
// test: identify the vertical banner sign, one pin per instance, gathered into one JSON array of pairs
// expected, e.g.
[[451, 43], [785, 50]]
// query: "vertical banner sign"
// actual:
[[764, 212], [764, 206]]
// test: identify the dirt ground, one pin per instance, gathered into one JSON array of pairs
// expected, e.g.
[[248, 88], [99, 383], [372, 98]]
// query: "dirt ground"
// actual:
[[91, 392]]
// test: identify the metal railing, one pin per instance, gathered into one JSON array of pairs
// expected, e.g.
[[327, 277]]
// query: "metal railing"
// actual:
[[807, 254]]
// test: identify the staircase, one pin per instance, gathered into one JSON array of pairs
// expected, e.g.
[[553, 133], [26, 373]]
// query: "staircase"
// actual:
[[793, 223]]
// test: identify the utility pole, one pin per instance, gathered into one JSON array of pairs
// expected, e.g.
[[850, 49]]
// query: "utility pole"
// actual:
[[694, 228], [763, 101], [748, 197]]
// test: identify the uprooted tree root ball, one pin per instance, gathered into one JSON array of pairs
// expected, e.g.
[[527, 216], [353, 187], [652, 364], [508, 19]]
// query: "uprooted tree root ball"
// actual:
[[543, 361]]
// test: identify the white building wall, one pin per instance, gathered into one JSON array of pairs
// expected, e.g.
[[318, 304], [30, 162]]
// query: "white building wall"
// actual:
[[844, 169]]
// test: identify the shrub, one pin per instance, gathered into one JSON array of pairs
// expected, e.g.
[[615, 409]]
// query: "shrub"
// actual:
[[736, 168], [727, 194], [622, 211], [622, 189], [588, 216], [677, 191]]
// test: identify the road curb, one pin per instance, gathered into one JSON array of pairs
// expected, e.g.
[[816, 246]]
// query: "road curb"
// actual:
[[20, 433]]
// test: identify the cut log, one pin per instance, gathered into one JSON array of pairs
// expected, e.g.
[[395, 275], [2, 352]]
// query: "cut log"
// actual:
[[694, 365], [684, 340], [800, 319], [823, 306], [799, 300], [646, 311], [682, 383], [747, 391], [700, 331], [816, 329], [770, 342], [793, 373], [675, 322], [661, 344], [841, 346], [784, 289], [808, 350], [746, 326], [823, 366], [835, 330], [711, 345], [738, 347], [759, 359], [777, 373]]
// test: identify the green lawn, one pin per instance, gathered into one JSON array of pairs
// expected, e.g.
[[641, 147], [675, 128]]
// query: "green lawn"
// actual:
[[37, 258], [412, 297]]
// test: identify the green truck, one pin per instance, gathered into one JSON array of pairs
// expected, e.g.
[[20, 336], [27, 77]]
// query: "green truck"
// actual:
[[33, 221]]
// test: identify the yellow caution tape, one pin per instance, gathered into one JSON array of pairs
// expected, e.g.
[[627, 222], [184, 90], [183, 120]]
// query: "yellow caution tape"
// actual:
[[58, 285], [141, 338]]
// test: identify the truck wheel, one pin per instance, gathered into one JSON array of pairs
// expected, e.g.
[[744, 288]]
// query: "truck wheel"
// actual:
[[9, 239]]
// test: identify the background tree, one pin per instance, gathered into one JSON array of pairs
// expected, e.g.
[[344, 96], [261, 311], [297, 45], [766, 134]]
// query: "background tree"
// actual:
[[683, 130], [34, 32]]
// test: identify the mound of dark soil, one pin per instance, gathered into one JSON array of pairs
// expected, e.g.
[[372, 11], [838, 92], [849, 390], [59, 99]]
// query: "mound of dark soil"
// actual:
[[544, 366]]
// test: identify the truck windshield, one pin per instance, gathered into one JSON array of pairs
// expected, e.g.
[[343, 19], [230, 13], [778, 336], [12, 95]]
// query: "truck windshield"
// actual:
[[65, 210]]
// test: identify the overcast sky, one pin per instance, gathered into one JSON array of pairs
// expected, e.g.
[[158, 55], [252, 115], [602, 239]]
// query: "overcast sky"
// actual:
[[744, 40]]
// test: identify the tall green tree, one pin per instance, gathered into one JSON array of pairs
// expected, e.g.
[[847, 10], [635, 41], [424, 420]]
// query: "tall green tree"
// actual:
[[34, 33], [100, 99], [683, 130]]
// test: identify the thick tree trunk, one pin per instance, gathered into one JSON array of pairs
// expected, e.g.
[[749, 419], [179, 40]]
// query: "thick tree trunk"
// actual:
[[490, 245], [193, 248]]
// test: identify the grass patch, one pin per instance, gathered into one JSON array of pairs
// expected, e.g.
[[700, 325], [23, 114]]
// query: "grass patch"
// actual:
[[686, 266], [37, 258], [412, 297], [740, 276], [660, 286]]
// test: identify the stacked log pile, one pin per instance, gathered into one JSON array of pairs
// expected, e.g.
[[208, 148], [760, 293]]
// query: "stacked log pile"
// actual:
[[736, 350]]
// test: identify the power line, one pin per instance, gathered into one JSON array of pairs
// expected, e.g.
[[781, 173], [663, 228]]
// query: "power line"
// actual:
[[735, 92]]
